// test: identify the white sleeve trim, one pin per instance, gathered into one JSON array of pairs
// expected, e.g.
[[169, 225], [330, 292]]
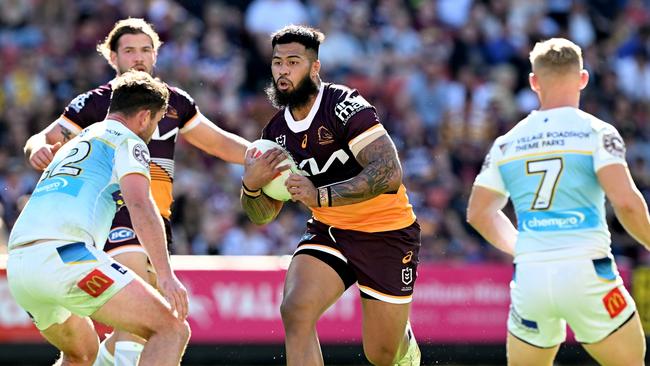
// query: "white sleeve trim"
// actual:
[[365, 138], [493, 189], [68, 124], [193, 122]]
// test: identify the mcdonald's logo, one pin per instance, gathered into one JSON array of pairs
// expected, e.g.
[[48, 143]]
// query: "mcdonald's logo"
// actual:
[[95, 283], [614, 302]]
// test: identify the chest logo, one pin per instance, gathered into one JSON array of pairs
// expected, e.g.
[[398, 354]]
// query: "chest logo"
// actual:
[[325, 136], [304, 142], [281, 140], [313, 167], [172, 133], [171, 113]]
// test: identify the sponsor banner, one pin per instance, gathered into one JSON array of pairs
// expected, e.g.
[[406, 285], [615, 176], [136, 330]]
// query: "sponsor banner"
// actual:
[[230, 305]]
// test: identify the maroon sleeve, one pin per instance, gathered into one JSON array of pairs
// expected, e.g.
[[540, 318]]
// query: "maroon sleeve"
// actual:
[[89, 107], [182, 103], [354, 114]]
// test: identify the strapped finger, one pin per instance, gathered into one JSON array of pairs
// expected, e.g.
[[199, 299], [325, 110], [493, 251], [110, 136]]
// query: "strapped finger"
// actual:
[[186, 304], [39, 162]]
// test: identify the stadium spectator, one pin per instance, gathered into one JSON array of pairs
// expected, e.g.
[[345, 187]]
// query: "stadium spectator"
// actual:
[[450, 32]]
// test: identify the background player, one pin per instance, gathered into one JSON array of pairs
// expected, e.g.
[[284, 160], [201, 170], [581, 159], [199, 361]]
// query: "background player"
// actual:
[[555, 165], [133, 44], [363, 228], [56, 269]]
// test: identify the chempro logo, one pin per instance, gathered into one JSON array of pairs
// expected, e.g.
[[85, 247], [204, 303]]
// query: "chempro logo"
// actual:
[[558, 220]]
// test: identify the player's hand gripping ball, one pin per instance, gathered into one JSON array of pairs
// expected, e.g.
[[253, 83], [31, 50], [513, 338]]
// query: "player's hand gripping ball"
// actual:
[[276, 188]]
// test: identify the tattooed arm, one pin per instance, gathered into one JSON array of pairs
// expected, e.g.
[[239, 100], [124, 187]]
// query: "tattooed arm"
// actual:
[[260, 208], [381, 173], [41, 147]]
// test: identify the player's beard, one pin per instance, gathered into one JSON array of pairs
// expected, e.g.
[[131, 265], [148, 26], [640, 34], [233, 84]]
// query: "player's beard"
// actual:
[[297, 97]]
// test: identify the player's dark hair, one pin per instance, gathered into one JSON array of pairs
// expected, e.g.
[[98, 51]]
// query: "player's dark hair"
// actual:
[[135, 90], [127, 26], [309, 37]]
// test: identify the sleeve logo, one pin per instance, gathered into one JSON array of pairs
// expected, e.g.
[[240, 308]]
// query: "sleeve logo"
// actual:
[[79, 102], [614, 144], [141, 154], [95, 283], [350, 106]]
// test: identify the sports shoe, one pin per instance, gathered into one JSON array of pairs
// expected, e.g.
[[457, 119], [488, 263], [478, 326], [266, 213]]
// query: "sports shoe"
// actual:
[[412, 356]]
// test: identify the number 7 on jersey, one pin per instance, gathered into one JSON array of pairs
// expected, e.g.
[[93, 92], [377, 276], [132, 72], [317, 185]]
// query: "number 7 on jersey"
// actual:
[[550, 169]]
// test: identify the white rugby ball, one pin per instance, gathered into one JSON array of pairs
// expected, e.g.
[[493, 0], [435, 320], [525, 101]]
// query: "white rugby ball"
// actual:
[[275, 188]]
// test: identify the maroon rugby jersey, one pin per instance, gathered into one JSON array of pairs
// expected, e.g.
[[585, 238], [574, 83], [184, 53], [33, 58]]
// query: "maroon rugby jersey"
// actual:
[[321, 146], [182, 113]]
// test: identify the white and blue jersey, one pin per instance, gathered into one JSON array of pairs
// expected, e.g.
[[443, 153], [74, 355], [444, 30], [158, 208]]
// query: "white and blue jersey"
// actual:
[[547, 164], [78, 194]]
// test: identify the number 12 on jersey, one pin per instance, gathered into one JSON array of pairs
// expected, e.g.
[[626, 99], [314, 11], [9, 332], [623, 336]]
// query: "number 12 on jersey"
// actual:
[[67, 165], [550, 169]]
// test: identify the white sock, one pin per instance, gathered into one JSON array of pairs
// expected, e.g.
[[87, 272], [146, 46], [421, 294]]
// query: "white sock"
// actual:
[[104, 358], [127, 353]]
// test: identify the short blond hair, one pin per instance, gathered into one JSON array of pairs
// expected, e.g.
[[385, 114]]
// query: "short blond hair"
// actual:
[[556, 55], [127, 26]]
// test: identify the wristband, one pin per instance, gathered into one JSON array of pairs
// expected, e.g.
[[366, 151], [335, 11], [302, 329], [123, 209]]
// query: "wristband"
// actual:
[[325, 197], [250, 193]]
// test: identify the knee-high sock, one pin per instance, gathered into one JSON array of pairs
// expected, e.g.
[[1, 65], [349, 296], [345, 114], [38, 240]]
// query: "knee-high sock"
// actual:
[[104, 358], [127, 353]]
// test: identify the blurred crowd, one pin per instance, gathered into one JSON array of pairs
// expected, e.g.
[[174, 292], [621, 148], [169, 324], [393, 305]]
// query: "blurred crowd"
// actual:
[[446, 77]]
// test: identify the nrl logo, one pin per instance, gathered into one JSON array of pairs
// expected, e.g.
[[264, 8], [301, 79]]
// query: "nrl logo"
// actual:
[[407, 275], [281, 140]]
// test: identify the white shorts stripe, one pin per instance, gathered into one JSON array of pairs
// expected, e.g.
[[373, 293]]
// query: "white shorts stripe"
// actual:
[[322, 248], [385, 298]]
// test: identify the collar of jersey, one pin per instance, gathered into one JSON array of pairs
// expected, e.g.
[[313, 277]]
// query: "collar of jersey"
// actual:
[[302, 125]]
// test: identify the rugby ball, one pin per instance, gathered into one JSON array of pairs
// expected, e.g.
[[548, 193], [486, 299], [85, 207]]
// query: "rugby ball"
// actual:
[[275, 188]]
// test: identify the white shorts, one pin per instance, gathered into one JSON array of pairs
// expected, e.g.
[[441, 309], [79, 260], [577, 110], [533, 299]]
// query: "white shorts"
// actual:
[[55, 279], [587, 294]]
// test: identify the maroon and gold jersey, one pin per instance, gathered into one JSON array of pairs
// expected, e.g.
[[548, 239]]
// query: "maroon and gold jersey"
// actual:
[[324, 145], [182, 115]]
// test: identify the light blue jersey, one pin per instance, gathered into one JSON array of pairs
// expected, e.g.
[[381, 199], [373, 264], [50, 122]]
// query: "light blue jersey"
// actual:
[[78, 194], [547, 164]]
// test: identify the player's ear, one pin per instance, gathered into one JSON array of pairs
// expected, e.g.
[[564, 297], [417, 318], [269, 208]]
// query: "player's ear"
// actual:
[[113, 59], [533, 81], [315, 68], [143, 117], [584, 78]]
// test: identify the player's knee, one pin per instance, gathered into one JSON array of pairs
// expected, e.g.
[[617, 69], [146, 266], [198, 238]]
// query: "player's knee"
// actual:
[[184, 332], [180, 329], [295, 312], [81, 357], [381, 354], [170, 327]]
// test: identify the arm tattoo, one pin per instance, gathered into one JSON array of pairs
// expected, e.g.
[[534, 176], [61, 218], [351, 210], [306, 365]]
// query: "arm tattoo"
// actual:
[[381, 173], [67, 134], [260, 210]]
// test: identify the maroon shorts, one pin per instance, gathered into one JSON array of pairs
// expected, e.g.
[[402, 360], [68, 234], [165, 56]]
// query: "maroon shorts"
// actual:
[[122, 237], [384, 264]]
